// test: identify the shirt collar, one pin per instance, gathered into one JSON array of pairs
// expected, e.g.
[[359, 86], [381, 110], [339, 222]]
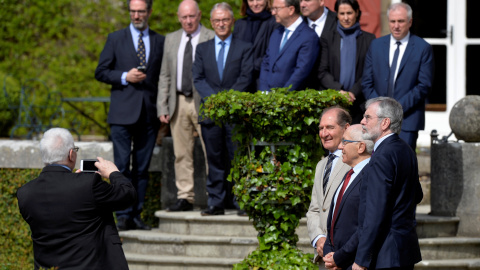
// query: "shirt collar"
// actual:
[[403, 40], [319, 20], [194, 34], [60, 165], [227, 41], [294, 25], [136, 32], [381, 140], [359, 167]]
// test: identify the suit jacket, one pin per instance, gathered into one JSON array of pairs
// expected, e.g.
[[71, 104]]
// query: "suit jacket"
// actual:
[[119, 56], [167, 86], [70, 216], [345, 228], [293, 64], [330, 24], [320, 205], [237, 72], [389, 194], [329, 69], [414, 77]]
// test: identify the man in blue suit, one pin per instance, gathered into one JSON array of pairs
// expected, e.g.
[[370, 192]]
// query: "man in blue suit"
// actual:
[[409, 79], [341, 245], [389, 193], [292, 51], [130, 62], [222, 63]]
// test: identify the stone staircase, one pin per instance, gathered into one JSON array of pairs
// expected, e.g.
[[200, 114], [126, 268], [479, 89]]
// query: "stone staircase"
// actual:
[[190, 241]]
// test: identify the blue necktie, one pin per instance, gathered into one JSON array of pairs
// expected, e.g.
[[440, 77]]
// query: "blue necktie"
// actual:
[[220, 59], [285, 38], [393, 68]]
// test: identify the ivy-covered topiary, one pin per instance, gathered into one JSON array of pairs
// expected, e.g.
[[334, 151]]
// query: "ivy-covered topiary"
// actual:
[[274, 166]]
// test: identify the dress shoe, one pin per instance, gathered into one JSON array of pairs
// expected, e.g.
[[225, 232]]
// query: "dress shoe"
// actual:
[[242, 213], [139, 225], [124, 224], [180, 205], [213, 211]]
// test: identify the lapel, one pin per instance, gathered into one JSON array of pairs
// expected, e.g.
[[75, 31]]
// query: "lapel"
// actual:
[[129, 43], [386, 53], [352, 186], [153, 43], [231, 51], [212, 60], [176, 38], [333, 175], [276, 40], [408, 51], [292, 38], [336, 46]]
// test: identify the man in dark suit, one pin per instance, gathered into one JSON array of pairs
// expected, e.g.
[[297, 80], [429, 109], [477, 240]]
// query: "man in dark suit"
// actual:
[[390, 191], [410, 79], [178, 100], [70, 214], [322, 21], [222, 63], [341, 245], [133, 115], [292, 51]]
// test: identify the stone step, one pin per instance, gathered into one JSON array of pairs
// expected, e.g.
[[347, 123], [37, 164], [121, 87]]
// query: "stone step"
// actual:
[[458, 264], [450, 248], [164, 262], [157, 243]]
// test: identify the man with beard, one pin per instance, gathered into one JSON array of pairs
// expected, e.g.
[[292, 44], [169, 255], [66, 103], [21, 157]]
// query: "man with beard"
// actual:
[[130, 62]]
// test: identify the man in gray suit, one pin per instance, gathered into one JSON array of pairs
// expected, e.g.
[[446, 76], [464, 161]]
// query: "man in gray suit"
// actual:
[[178, 100], [328, 175]]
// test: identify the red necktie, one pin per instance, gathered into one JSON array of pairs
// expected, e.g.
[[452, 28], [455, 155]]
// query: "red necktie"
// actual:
[[339, 200]]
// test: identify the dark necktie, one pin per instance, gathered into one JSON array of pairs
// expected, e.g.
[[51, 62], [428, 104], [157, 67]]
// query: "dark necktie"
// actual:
[[393, 68], [141, 50], [187, 68], [339, 200], [285, 38], [313, 26], [328, 169], [220, 59]]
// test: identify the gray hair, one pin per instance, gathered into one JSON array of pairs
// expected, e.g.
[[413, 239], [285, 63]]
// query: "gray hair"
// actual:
[[222, 6], [356, 132], [395, 6], [55, 145], [148, 2], [389, 108]]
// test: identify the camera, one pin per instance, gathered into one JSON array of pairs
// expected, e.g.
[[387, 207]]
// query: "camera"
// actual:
[[142, 68], [88, 165]]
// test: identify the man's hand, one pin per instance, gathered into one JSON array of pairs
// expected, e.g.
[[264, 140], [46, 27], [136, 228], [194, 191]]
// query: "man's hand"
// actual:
[[105, 167], [165, 118], [351, 96], [355, 266], [135, 76], [320, 243], [329, 262]]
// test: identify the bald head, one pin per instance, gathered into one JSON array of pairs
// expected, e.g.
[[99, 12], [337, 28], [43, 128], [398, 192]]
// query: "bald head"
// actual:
[[189, 16]]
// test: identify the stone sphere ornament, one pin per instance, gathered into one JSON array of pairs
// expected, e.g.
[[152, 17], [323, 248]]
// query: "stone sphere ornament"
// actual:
[[465, 119]]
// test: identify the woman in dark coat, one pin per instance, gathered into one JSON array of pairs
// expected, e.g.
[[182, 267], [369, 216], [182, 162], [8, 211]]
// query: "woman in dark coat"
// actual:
[[255, 28], [343, 56]]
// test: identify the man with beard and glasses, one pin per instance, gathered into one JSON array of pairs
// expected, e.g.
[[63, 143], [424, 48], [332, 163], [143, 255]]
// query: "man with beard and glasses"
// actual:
[[130, 62]]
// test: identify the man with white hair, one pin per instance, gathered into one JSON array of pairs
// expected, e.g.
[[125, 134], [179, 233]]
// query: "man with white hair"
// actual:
[[71, 214]]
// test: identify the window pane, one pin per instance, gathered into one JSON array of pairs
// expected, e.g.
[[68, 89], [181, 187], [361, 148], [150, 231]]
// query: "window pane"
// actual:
[[473, 31], [423, 13], [438, 93], [473, 56]]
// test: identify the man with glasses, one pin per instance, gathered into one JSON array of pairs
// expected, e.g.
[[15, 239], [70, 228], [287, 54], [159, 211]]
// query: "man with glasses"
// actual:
[[222, 63], [130, 62], [70, 214], [178, 100], [342, 223], [390, 192], [292, 50], [328, 175]]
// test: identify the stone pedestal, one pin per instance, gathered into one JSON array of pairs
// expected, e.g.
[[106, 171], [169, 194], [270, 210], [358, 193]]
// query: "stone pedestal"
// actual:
[[455, 184], [167, 162]]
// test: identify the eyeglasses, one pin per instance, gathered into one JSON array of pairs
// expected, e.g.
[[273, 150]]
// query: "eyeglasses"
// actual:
[[140, 12], [345, 142], [277, 8], [369, 117], [225, 20], [75, 149]]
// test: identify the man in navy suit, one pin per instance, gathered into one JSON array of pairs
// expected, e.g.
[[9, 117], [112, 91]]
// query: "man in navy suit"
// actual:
[[390, 191], [410, 79], [222, 63], [133, 114], [341, 245], [292, 51]]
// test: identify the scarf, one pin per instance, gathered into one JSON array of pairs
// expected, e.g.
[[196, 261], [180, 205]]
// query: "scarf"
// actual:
[[255, 20], [348, 52]]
